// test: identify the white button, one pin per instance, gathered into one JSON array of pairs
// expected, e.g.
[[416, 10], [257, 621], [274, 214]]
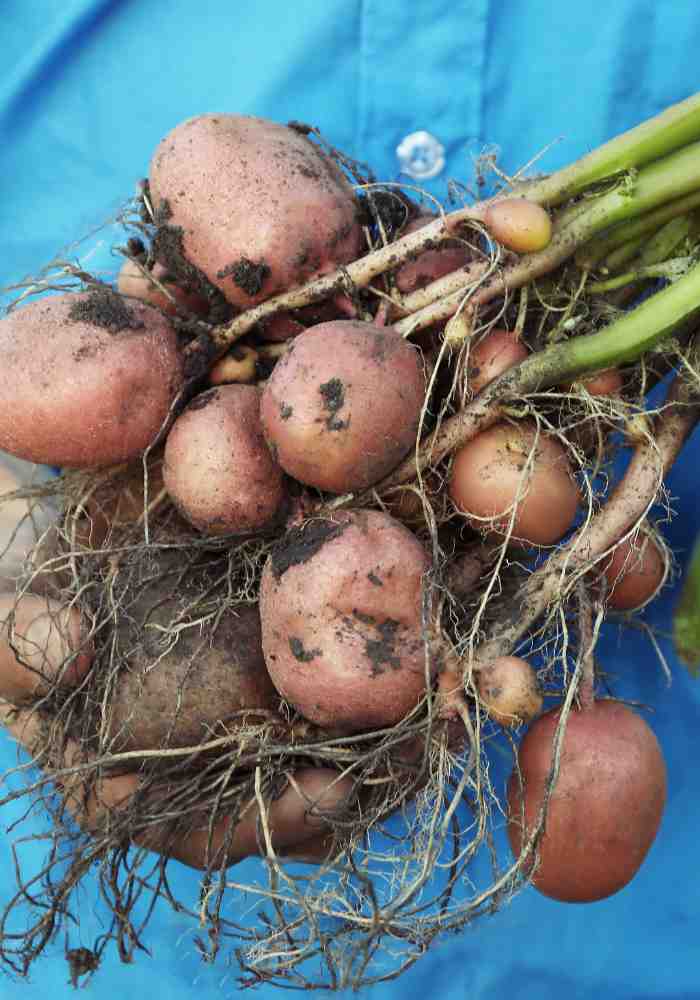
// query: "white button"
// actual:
[[421, 155]]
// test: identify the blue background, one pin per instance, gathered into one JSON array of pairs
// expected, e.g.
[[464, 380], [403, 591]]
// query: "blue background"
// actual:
[[88, 87]]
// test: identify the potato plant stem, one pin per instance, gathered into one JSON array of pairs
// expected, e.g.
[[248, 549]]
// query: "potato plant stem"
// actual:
[[623, 341], [654, 185], [673, 128], [592, 253]]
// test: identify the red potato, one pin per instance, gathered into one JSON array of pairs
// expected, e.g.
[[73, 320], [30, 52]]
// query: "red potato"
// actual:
[[86, 379], [635, 572], [508, 690], [253, 205], [430, 264], [605, 809], [218, 469], [133, 283], [496, 353], [605, 383], [341, 610], [491, 471], [519, 224], [341, 408], [42, 642]]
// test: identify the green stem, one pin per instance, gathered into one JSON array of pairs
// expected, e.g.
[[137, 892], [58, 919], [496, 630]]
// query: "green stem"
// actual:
[[592, 253], [616, 260], [630, 336], [673, 128], [671, 269], [686, 620]]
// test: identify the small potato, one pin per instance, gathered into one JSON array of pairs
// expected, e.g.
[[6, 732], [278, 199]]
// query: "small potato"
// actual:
[[175, 687], [254, 205], [508, 691], [605, 383], [341, 610], [498, 469], [635, 572], [42, 643], [341, 408], [218, 469], [239, 365], [133, 283], [495, 354], [86, 379], [519, 225], [430, 264]]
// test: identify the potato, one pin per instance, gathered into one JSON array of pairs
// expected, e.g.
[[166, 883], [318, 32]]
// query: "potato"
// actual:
[[42, 642], [218, 469], [605, 809], [86, 379], [519, 224], [491, 472], [253, 205], [495, 354], [341, 610], [341, 408], [173, 689], [508, 690], [635, 572], [430, 264]]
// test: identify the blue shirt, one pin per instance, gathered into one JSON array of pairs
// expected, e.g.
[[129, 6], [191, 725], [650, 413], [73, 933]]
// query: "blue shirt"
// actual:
[[87, 89]]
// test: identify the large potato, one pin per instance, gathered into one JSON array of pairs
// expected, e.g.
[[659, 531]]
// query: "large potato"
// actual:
[[606, 806], [341, 609], [341, 409], [177, 684], [218, 469], [86, 379], [253, 205]]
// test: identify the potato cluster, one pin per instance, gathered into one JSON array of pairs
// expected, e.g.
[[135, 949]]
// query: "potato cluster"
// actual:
[[291, 437]]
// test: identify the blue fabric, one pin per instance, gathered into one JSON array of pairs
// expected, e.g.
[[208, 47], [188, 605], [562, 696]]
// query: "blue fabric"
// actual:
[[88, 87]]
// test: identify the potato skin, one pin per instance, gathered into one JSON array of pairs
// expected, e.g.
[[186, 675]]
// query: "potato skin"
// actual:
[[175, 697], [218, 469], [258, 208], [606, 807], [340, 604], [489, 471], [77, 392], [341, 408]]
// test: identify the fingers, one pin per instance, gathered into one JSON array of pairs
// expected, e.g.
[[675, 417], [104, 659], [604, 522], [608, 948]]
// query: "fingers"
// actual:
[[42, 643]]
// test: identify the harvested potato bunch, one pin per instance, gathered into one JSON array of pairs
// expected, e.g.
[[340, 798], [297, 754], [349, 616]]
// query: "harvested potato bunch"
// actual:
[[341, 408], [341, 608], [86, 379], [254, 206]]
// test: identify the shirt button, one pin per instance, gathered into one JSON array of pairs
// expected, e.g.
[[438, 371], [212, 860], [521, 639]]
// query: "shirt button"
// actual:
[[421, 155]]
